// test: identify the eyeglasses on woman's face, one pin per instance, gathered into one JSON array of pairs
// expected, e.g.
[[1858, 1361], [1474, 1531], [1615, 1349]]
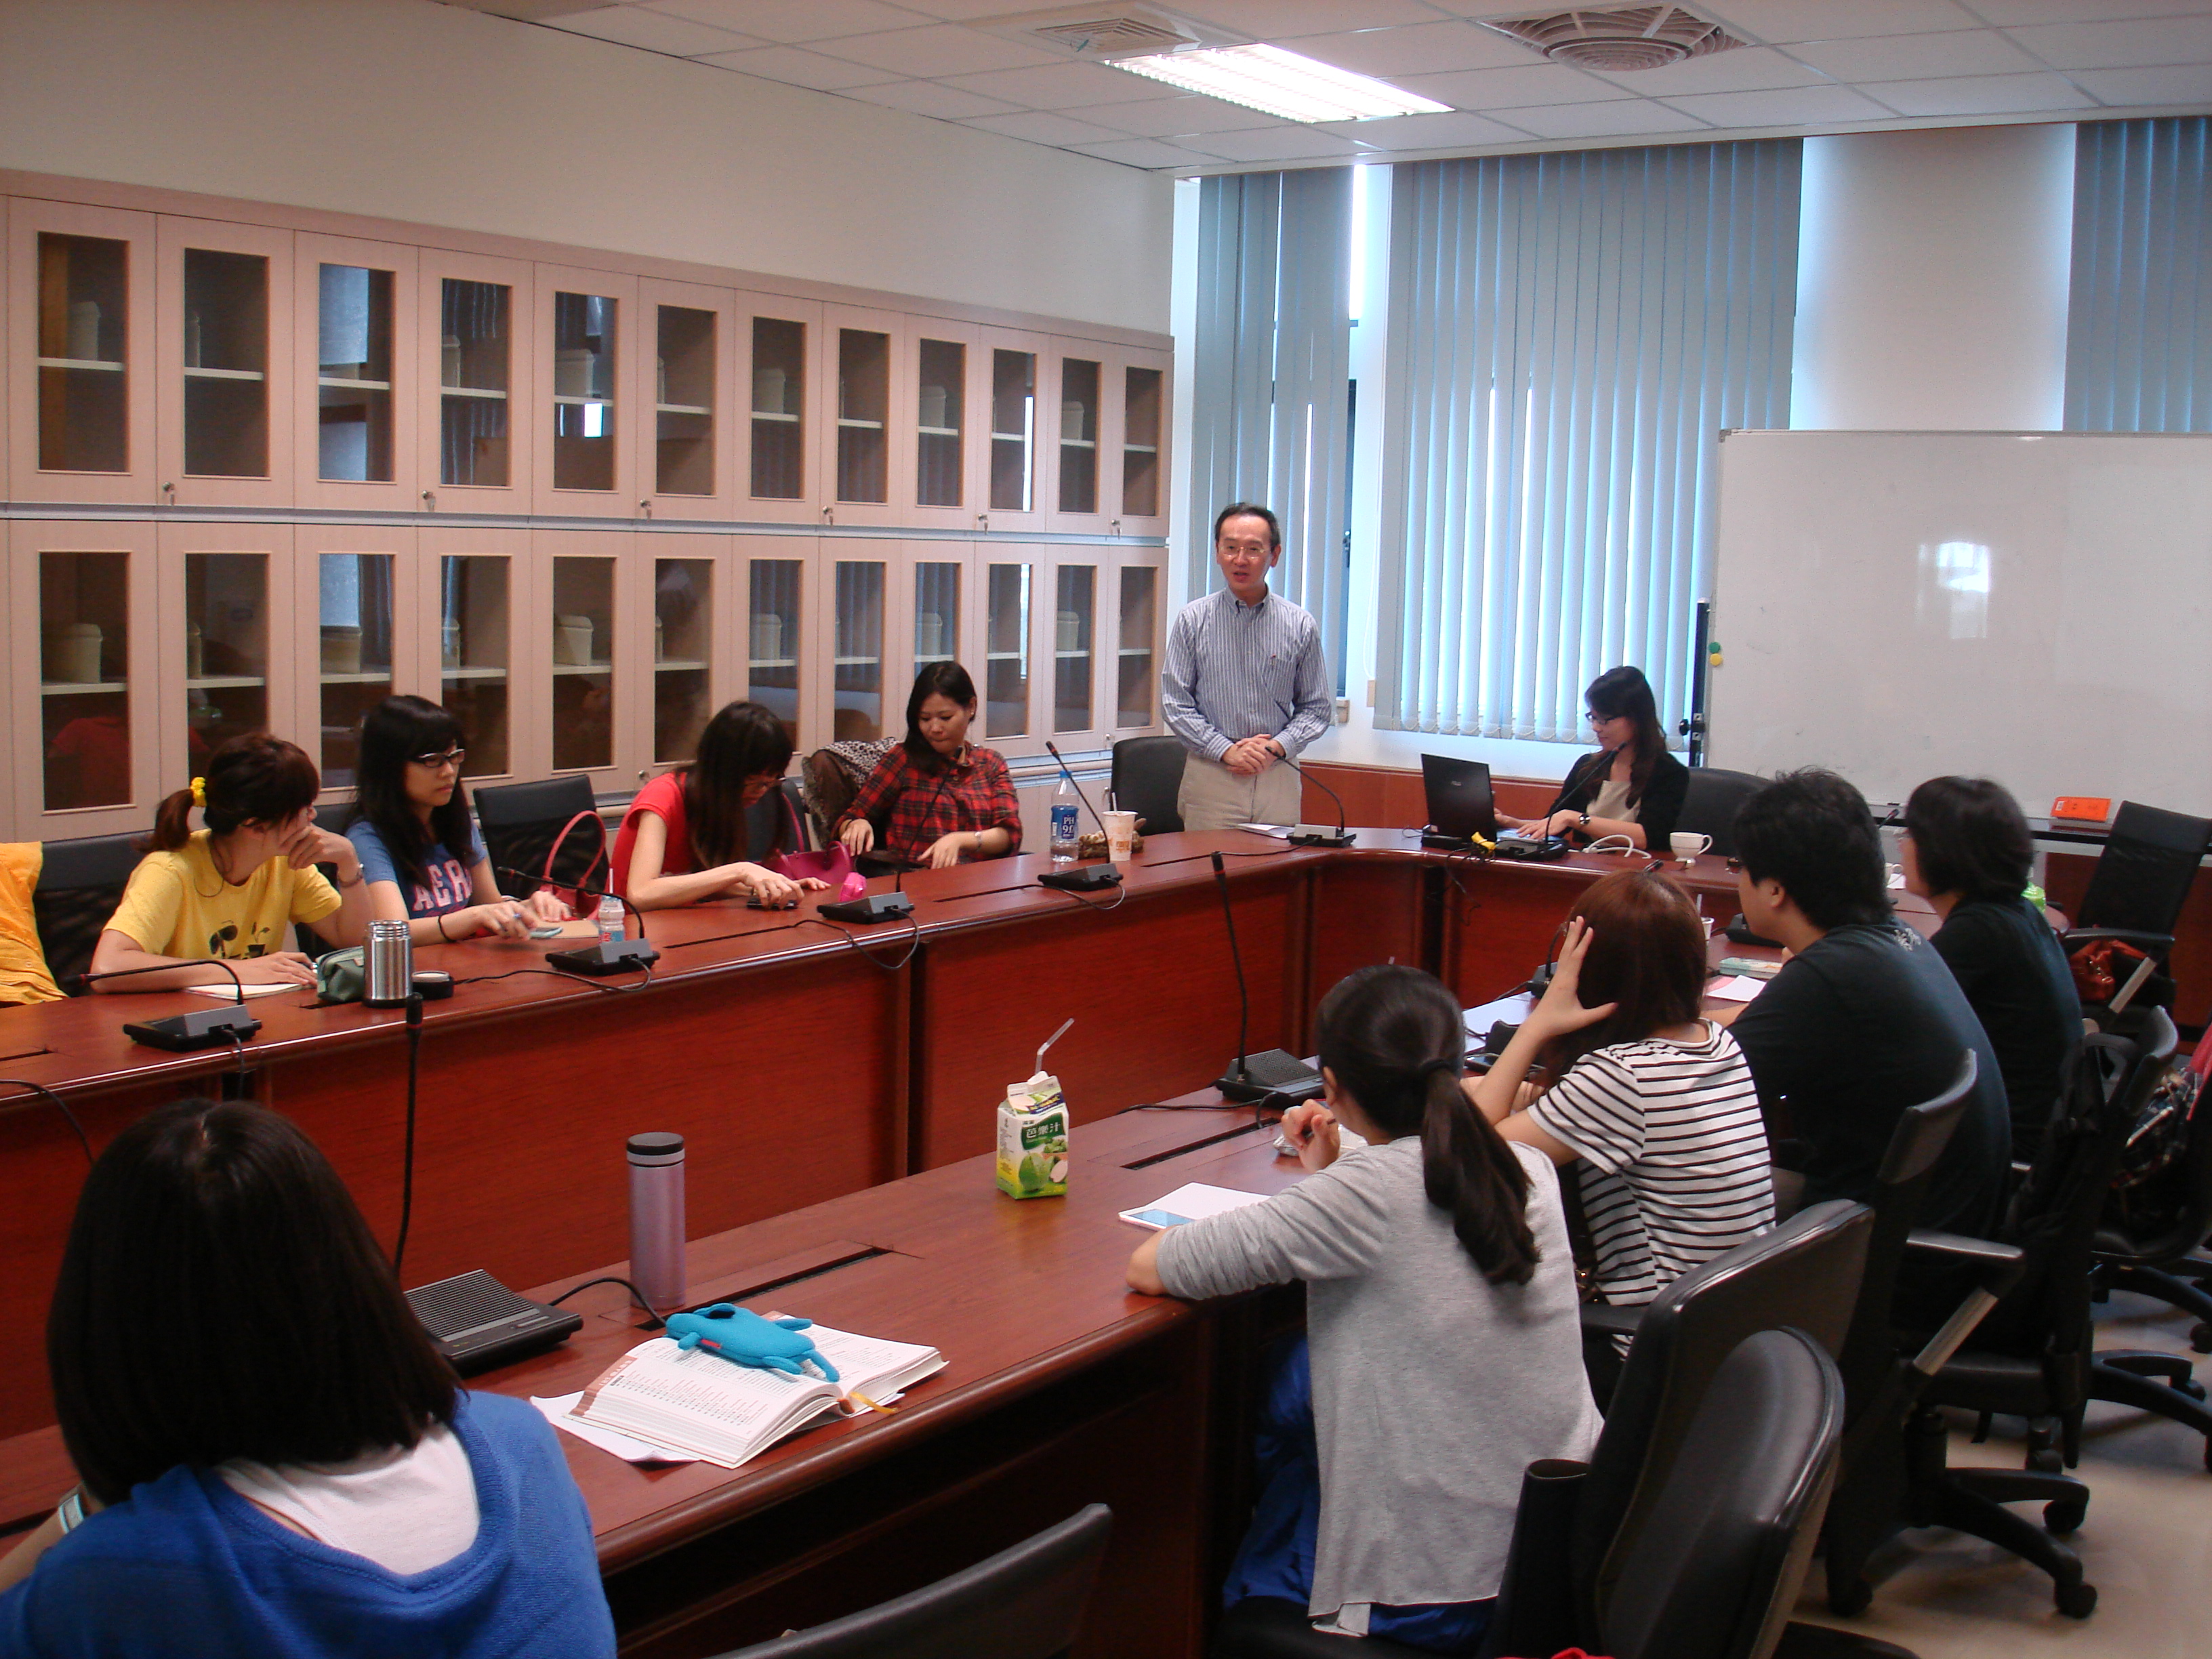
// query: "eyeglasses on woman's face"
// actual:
[[441, 760]]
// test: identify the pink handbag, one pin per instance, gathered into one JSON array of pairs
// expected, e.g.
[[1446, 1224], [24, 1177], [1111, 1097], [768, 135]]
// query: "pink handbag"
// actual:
[[832, 866]]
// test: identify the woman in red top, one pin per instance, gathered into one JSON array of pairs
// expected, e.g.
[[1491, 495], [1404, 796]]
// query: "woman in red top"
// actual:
[[683, 838], [936, 798]]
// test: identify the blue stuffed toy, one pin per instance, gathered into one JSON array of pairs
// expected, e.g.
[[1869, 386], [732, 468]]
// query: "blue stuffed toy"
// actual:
[[746, 1338]]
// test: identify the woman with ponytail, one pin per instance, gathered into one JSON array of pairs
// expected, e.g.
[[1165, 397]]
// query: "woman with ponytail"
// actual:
[[1443, 1347], [230, 888]]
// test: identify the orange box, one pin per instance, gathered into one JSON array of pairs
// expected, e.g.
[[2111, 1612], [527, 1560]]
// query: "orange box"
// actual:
[[2083, 809]]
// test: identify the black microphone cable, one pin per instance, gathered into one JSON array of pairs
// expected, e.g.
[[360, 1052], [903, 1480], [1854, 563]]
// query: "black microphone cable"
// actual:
[[63, 1106]]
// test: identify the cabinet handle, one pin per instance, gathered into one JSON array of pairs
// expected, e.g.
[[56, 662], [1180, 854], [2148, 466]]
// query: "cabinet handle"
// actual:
[[828, 515], [645, 511], [170, 490], [1117, 526], [429, 500], [983, 522]]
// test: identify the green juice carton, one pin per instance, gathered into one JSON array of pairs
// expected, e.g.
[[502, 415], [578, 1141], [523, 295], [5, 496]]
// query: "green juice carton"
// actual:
[[1033, 1140]]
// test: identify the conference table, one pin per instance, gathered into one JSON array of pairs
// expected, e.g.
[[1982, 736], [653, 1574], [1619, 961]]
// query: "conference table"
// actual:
[[1063, 1387]]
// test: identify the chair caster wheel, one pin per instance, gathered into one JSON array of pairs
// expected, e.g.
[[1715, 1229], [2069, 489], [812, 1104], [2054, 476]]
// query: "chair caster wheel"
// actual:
[[2047, 1460], [1851, 1600], [2077, 1600], [2064, 1515], [2200, 1337]]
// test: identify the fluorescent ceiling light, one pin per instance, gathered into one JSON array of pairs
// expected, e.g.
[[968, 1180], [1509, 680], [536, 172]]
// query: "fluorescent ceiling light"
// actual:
[[1280, 83]]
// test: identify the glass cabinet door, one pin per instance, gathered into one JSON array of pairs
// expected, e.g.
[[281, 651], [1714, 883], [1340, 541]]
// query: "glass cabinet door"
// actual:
[[857, 655], [84, 656], [583, 664], [476, 657], [1140, 443], [1075, 588], [353, 376], [683, 402], [1133, 705], [936, 613], [779, 409], [354, 667], [83, 347], [475, 344], [1078, 435], [226, 651], [864, 402], [226, 364], [773, 638], [940, 456], [682, 651], [1006, 651], [583, 390], [1013, 431]]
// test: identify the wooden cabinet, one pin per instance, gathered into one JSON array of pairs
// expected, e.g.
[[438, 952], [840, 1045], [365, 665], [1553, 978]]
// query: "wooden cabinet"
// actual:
[[866, 396], [779, 600], [1015, 494], [469, 604], [584, 424], [1140, 474], [359, 641], [580, 646], [223, 353], [684, 593], [1075, 448], [690, 418], [475, 455], [226, 657], [779, 375], [943, 428], [357, 354]]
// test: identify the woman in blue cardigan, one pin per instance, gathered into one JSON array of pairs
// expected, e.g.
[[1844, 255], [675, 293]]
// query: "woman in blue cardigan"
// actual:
[[273, 1459]]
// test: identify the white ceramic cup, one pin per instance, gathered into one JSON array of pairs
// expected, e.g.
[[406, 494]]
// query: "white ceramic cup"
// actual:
[[1688, 846], [1120, 836]]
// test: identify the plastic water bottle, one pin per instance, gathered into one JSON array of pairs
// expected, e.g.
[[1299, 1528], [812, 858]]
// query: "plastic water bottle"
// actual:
[[1064, 800], [610, 918]]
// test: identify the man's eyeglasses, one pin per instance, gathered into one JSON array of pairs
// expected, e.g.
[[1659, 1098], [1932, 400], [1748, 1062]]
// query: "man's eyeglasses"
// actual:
[[441, 761]]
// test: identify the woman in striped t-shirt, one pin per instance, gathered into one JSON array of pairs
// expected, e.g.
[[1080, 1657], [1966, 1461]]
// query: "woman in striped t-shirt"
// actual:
[[1656, 1104]]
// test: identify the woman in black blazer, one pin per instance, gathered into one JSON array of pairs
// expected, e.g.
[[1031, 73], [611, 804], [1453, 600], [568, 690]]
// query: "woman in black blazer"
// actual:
[[1631, 788]]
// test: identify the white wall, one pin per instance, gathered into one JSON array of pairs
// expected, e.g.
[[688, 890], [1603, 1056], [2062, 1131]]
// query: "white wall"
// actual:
[[428, 113], [1933, 269]]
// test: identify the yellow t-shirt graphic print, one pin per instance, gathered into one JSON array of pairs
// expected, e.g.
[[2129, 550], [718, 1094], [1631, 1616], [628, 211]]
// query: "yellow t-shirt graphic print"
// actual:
[[178, 905]]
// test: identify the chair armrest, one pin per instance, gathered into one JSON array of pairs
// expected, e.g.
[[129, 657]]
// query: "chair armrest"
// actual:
[[1603, 1319], [2156, 945], [1999, 1268]]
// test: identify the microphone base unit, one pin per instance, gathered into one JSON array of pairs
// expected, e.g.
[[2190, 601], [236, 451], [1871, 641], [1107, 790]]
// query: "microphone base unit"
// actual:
[[1087, 879], [477, 1323], [202, 1028], [1272, 1073], [871, 909], [1532, 849], [609, 956], [1319, 835]]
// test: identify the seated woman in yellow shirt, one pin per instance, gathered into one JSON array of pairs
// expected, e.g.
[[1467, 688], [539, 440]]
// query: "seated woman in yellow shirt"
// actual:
[[232, 888]]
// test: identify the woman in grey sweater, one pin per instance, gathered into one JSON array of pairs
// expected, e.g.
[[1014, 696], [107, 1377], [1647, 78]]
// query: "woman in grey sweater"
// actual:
[[1446, 1349]]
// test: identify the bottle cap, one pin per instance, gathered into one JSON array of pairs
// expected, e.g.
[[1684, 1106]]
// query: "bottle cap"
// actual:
[[657, 1145]]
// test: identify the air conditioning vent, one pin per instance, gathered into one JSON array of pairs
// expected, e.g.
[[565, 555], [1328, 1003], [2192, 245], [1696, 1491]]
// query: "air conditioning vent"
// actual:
[[1114, 37], [1620, 39], [1107, 31]]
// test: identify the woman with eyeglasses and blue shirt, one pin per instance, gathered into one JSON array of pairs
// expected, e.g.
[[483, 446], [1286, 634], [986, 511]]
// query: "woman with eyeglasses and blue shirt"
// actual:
[[1632, 788], [419, 848]]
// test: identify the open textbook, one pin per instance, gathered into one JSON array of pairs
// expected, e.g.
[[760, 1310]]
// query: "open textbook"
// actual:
[[699, 1405]]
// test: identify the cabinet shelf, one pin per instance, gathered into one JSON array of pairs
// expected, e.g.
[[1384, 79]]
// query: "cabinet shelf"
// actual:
[[473, 672], [682, 409], [192, 373], [81, 688], [1008, 438], [345, 384], [938, 431], [99, 364], [472, 391], [233, 681], [1141, 449], [856, 662], [773, 415], [1077, 443], [862, 426], [583, 668], [1072, 656], [674, 665], [774, 662], [358, 677], [1004, 656], [579, 403], [1136, 650]]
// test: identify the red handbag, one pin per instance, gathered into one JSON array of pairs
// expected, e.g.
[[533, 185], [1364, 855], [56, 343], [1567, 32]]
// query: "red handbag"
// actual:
[[582, 897], [2101, 967]]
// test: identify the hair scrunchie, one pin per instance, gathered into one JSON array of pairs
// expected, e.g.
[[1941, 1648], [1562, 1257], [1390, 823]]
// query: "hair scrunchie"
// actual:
[[199, 793], [1453, 1065]]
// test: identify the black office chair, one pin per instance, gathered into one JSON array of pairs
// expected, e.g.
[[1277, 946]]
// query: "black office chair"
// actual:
[[79, 884], [1709, 808], [2136, 894], [1148, 779], [2152, 1239], [1715, 1573], [1025, 1602], [774, 814], [520, 824]]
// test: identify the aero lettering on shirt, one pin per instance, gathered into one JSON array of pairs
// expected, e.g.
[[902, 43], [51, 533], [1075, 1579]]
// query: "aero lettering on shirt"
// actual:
[[448, 884]]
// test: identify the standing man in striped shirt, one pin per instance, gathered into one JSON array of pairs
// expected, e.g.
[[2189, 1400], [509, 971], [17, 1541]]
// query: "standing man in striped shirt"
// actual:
[[1244, 686]]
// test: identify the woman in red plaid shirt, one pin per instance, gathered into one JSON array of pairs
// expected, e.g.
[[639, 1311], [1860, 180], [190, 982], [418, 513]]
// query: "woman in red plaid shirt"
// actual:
[[937, 799]]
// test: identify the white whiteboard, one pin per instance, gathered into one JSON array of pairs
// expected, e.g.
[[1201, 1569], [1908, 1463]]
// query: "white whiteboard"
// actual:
[[2032, 607]]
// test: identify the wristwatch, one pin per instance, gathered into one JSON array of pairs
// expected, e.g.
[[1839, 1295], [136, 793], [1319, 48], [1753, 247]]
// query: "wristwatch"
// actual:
[[1583, 824]]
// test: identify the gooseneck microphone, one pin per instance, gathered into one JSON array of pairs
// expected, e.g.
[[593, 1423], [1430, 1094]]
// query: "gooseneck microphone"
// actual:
[[1273, 1071], [201, 1028], [606, 956], [1567, 783], [1080, 877], [1316, 835]]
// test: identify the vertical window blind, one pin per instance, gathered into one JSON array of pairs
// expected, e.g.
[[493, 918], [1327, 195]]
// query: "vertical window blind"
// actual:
[[1271, 375], [1568, 333], [2139, 322]]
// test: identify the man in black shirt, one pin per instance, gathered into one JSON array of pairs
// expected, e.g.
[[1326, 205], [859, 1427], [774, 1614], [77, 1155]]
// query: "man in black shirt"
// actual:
[[1864, 1019]]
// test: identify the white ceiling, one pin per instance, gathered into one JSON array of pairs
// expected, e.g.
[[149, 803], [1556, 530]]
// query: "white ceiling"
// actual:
[[1808, 65]]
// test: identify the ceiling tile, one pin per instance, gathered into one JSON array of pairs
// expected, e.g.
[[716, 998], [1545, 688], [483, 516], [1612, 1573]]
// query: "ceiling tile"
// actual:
[[960, 11], [799, 69], [1793, 107], [1289, 141], [1166, 117], [1752, 69], [1064, 86], [1775, 20], [1042, 127], [934, 49], [1978, 94], [653, 30], [1147, 153], [2005, 13], [1503, 89], [1624, 118], [1916, 57], [1425, 131], [2181, 83], [1424, 49], [1277, 20], [2146, 43], [928, 98], [788, 21]]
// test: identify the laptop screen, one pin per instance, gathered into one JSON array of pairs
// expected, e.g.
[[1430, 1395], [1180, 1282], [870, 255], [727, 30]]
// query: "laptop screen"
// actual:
[[1459, 798]]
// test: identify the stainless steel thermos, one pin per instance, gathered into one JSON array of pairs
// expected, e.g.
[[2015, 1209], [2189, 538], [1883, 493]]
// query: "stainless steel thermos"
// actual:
[[390, 965], [656, 1219]]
